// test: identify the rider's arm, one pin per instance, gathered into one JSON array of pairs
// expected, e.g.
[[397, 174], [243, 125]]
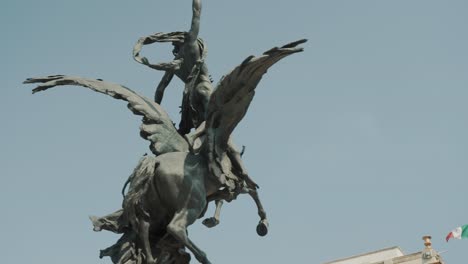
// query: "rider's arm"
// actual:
[[195, 27], [166, 79]]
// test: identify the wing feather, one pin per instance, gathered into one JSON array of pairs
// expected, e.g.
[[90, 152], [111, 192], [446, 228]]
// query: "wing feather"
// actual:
[[230, 101], [157, 127]]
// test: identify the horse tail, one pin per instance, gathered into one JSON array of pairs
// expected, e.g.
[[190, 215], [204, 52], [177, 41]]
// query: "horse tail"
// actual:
[[144, 167], [138, 182], [128, 249]]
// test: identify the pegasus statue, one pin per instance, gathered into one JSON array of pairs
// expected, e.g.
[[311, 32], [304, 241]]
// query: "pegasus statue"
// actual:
[[191, 165]]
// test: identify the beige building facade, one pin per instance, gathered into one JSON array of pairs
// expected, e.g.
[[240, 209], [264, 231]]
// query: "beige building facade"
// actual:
[[395, 255]]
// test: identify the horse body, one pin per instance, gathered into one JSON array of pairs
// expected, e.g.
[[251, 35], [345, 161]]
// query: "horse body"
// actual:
[[169, 195]]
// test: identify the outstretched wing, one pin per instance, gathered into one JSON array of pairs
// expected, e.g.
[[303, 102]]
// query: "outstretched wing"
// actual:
[[231, 99], [157, 127]]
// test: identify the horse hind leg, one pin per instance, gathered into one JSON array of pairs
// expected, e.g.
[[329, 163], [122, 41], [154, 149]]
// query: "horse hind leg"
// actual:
[[143, 231], [178, 228]]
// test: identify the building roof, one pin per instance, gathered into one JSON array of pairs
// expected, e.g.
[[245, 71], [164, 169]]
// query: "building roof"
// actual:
[[371, 257], [394, 255]]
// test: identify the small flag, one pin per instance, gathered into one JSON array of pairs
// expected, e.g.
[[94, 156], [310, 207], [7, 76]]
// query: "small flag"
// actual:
[[458, 233]]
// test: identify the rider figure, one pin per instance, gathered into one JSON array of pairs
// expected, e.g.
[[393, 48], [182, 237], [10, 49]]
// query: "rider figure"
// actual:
[[189, 65]]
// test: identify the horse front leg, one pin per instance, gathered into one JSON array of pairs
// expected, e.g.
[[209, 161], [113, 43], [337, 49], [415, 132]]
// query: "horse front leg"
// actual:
[[262, 227], [218, 197], [214, 221]]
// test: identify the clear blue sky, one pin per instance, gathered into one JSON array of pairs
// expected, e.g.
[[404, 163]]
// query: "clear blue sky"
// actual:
[[359, 143]]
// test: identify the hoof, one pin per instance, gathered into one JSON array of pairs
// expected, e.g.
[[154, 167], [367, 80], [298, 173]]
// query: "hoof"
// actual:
[[262, 228], [210, 222]]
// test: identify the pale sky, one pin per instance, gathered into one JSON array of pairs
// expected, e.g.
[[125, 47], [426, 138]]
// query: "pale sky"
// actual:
[[359, 143]]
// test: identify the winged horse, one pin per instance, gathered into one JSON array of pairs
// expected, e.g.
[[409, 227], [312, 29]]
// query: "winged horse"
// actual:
[[170, 190]]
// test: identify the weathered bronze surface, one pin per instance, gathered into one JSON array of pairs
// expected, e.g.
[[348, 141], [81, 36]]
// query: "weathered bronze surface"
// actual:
[[193, 164]]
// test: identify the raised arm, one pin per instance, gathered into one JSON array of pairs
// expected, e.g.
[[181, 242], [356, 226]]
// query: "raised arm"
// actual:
[[195, 26]]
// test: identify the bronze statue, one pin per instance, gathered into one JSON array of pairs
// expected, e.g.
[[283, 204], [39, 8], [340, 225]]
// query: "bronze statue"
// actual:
[[189, 65], [170, 190]]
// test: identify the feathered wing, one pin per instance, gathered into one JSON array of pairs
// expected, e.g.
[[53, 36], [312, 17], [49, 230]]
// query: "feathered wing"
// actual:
[[231, 99], [157, 127]]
